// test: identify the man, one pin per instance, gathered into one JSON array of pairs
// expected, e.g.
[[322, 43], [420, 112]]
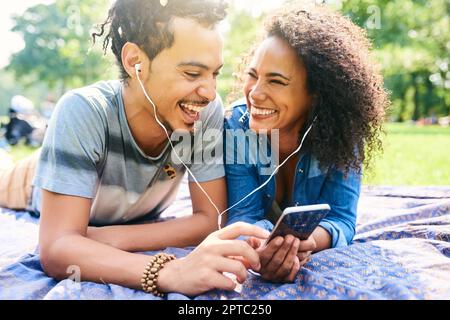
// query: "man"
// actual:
[[106, 159]]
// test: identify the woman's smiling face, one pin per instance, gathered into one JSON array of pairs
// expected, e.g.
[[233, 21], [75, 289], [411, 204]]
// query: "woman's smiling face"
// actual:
[[276, 88]]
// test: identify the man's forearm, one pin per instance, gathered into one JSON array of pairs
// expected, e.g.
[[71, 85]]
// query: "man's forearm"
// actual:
[[179, 233], [94, 261]]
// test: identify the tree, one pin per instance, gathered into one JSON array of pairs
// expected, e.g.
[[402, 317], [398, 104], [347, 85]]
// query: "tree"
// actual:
[[58, 50], [241, 36], [9, 88], [411, 42]]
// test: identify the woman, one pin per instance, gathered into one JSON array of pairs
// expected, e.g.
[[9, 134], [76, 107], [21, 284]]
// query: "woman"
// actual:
[[311, 73], [103, 160]]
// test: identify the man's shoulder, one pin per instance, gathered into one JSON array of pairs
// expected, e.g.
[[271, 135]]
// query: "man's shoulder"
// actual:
[[213, 115], [101, 94], [88, 102], [215, 108]]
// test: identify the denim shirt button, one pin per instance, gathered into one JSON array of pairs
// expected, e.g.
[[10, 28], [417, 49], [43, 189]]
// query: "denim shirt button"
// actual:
[[267, 196], [301, 171]]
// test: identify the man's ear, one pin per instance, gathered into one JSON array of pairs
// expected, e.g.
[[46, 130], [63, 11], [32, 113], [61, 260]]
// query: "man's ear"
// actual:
[[131, 56]]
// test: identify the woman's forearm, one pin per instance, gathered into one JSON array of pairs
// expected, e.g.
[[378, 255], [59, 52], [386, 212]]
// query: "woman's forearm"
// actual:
[[179, 233], [322, 238]]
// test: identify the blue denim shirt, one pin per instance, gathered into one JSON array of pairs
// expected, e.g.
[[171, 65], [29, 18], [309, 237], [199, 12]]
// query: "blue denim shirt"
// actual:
[[312, 186]]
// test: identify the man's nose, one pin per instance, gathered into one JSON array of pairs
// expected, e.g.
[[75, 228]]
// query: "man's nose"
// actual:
[[208, 90]]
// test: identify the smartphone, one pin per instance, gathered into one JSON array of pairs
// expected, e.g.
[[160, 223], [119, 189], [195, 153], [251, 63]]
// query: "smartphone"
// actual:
[[299, 221]]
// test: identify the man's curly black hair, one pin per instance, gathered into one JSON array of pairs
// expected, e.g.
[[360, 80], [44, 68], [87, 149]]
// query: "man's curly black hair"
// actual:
[[147, 23], [351, 101]]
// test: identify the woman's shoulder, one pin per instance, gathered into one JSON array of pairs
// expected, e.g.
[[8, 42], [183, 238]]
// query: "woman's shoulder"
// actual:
[[237, 116]]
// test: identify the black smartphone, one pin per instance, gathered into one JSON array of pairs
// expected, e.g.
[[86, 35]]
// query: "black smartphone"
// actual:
[[299, 221]]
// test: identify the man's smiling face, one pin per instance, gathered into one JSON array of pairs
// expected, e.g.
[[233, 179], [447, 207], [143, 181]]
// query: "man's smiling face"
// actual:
[[182, 80]]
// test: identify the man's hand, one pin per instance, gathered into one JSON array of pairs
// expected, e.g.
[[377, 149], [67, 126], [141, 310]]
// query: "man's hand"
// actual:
[[282, 258], [203, 270]]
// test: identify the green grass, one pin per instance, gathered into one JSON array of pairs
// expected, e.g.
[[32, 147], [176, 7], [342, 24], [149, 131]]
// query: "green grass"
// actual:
[[20, 152], [412, 156]]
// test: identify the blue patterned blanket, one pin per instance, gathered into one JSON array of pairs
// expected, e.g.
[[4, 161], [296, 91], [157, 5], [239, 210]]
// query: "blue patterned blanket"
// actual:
[[401, 251]]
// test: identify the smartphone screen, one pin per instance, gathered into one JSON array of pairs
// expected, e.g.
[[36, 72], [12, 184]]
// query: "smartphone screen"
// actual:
[[299, 221]]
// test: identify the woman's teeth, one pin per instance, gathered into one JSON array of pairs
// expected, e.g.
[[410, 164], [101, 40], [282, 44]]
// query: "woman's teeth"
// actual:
[[262, 112]]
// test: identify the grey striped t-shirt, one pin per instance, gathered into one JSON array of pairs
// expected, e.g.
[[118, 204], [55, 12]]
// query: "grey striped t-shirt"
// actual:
[[89, 152]]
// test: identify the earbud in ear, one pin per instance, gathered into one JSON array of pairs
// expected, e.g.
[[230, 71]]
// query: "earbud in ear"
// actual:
[[137, 67]]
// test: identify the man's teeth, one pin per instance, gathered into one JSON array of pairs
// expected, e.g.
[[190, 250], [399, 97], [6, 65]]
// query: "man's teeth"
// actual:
[[192, 108], [262, 112]]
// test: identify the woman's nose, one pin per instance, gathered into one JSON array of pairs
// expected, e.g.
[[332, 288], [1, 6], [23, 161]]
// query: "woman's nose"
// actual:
[[257, 93]]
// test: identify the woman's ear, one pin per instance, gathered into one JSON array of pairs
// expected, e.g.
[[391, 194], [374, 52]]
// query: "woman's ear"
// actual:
[[315, 102]]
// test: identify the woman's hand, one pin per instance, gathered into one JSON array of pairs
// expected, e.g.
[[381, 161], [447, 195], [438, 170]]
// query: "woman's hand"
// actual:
[[306, 250], [282, 258], [203, 270]]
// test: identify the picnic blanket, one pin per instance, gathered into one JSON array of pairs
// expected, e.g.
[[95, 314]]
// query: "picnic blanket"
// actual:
[[401, 251]]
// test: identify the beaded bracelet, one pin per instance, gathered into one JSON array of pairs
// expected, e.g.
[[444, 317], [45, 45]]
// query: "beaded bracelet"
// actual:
[[150, 277]]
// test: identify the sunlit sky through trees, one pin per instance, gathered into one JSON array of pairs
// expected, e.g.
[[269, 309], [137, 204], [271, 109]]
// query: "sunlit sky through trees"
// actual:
[[15, 43]]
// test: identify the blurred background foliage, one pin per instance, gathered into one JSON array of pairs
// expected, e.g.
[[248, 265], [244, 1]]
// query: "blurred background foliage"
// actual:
[[411, 42], [58, 53]]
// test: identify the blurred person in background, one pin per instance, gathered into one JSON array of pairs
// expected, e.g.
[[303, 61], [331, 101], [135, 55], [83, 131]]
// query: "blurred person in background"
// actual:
[[18, 127]]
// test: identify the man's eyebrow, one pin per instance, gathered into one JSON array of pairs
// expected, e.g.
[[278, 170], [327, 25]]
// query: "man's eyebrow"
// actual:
[[196, 64]]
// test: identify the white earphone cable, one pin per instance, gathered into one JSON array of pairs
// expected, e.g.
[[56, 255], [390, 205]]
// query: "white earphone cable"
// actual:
[[192, 175], [170, 141], [271, 176]]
